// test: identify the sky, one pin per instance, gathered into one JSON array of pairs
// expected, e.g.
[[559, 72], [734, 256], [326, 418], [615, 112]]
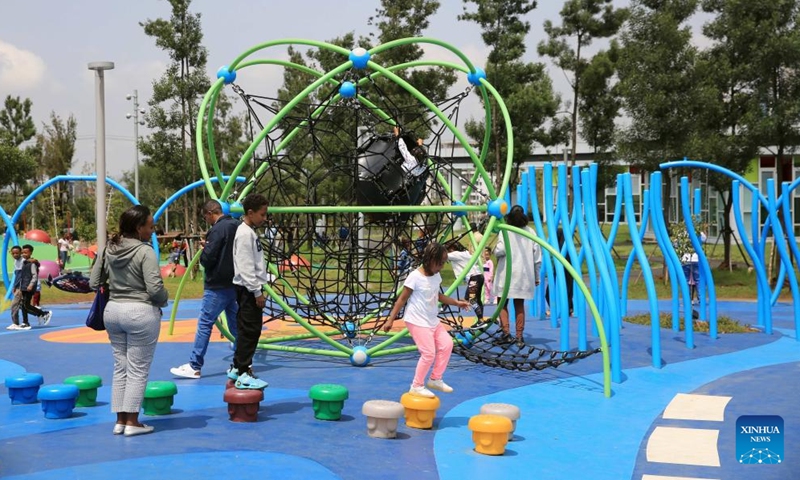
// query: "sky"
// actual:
[[45, 47]]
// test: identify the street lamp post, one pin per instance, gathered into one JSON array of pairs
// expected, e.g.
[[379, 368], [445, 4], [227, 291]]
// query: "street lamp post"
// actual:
[[136, 123], [100, 148]]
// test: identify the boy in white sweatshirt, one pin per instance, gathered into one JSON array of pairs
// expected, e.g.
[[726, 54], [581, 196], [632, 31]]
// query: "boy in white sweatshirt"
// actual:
[[249, 276]]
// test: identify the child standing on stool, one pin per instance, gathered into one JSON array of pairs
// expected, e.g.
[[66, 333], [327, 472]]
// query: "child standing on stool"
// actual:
[[249, 276], [421, 292]]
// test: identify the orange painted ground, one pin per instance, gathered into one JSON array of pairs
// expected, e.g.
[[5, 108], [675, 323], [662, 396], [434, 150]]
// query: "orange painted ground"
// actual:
[[183, 332]]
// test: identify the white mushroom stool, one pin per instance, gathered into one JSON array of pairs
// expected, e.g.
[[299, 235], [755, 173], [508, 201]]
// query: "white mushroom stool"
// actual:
[[382, 417], [511, 412]]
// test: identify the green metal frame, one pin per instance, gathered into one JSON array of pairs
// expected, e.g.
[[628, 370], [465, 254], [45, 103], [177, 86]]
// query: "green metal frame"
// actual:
[[205, 139]]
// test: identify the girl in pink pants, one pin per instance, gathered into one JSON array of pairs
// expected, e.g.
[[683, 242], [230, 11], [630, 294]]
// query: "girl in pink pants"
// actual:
[[421, 298]]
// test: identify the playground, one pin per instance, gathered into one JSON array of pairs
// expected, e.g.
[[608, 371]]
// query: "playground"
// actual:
[[597, 397], [567, 427]]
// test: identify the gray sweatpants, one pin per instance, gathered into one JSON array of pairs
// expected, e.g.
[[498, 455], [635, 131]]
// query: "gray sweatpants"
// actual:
[[16, 304], [133, 330]]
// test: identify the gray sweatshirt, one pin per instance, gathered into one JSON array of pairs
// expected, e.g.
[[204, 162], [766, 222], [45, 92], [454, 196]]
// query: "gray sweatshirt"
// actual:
[[249, 268], [132, 271]]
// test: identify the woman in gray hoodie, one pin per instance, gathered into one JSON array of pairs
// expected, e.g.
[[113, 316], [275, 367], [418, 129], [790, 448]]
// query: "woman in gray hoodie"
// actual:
[[133, 313]]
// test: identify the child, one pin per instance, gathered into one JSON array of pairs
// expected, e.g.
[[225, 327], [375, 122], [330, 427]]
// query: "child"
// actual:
[[421, 291], [404, 257], [413, 158], [488, 274], [458, 258], [525, 254], [37, 295], [16, 301], [249, 276], [64, 246], [28, 278]]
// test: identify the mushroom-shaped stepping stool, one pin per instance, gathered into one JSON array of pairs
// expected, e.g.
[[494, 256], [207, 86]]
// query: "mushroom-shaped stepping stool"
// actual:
[[509, 411], [243, 404], [490, 433], [420, 411], [158, 398], [87, 387], [23, 388], [328, 400], [58, 400], [382, 417]]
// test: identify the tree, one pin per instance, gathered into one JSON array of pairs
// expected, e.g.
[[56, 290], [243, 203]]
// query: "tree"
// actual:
[[775, 75], [526, 89], [16, 121], [397, 19], [58, 145], [724, 137], [175, 100], [16, 127], [17, 166], [658, 84], [599, 106], [582, 21]]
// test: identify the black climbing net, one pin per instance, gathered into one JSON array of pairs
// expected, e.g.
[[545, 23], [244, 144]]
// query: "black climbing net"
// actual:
[[342, 269], [485, 344]]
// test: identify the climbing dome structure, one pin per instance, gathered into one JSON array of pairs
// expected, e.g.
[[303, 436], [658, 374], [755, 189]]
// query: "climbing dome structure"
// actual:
[[356, 166]]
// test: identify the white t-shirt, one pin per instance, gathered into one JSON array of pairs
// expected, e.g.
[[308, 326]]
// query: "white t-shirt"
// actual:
[[459, 260], [422, 308], [64, 245]]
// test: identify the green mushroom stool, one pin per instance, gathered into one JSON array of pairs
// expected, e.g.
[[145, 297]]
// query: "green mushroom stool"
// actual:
[[328, 400], [158, 398], [87, 388]]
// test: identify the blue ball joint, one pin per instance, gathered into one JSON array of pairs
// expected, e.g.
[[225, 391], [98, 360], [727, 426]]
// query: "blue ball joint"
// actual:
[[229, 76], [475, 77], [359, 56]]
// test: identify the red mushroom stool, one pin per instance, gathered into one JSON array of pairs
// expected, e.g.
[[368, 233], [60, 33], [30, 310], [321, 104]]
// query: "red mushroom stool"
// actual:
[[243, 404]]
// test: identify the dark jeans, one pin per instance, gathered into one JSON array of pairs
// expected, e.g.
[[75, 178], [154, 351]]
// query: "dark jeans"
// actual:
[[249, 321], [475, 294], [27, 307]]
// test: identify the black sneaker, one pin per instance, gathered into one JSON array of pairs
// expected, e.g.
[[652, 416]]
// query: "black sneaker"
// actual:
[[505, 339]]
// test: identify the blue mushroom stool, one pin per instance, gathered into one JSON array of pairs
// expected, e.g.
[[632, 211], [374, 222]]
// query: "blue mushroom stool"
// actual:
[[23, 388], [58, 400]]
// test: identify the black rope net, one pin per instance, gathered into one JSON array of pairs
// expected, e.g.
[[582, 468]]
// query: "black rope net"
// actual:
[[486, 344], [342, 270]]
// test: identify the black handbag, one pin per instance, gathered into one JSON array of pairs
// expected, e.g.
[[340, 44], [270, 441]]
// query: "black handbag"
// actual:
[[95, 318]]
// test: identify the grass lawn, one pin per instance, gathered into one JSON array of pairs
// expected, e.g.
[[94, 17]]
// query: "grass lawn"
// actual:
[[737, 284]]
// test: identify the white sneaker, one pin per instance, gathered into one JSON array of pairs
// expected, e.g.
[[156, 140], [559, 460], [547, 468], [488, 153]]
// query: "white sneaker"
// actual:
[[439, 385], [421, 392], [47, 317], [185, 371], [24, 326], [13, 326]]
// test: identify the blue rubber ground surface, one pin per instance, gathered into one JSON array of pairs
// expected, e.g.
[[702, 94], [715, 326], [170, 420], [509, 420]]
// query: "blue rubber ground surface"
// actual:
[[567, 430]]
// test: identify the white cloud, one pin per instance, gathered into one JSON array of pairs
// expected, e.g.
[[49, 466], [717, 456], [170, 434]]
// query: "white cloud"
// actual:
[[20, 70]]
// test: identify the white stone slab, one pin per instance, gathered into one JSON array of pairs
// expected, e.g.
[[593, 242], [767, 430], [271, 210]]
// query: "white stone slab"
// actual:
[[686, 406], [659, 477], [683, 446]]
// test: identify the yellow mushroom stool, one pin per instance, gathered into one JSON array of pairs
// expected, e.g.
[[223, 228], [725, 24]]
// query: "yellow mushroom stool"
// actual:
[[420, 411], [490, 433], [509, 411]]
